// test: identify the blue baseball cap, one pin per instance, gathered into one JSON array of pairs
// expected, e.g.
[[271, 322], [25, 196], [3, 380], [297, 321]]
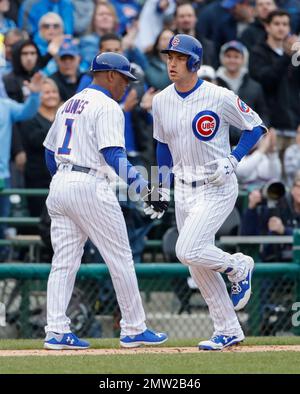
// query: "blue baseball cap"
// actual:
[[68, 49], [236, 45], [231, 3]]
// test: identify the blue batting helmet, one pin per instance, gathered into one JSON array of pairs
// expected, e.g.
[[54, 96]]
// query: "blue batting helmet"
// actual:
[[187, 45], [110, 61]]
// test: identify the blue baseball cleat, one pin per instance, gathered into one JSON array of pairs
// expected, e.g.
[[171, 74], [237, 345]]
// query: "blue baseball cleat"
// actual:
[[219, 342], [241, 291], [70, 341], [147, 337]]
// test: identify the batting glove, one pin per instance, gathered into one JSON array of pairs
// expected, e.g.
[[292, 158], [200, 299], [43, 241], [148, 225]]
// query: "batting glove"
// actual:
[[225, 167], [156, 201]]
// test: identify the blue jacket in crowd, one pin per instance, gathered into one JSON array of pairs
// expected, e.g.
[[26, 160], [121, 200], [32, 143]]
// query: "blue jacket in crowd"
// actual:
[[7, 25], [127, 12], [31, 11], [11, 112]]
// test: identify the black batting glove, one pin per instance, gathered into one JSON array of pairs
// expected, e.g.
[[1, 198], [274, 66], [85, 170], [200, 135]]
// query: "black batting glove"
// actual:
[[152, 196]]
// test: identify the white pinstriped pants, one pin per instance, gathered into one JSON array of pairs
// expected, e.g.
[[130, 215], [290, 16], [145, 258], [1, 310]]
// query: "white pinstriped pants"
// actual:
[[200, 212], [83, 206]]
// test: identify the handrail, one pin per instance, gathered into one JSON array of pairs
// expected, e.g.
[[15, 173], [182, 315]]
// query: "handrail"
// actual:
[[145, 270]]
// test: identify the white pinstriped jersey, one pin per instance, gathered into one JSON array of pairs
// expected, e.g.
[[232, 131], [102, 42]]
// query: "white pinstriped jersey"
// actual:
[[196, 128], [84, 206], [86, 123]]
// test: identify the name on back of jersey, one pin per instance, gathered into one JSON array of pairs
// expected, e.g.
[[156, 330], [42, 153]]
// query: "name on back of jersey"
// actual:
[[74, 106]]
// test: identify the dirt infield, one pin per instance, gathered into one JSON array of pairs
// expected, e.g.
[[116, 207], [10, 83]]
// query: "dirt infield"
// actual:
[[161, 350]]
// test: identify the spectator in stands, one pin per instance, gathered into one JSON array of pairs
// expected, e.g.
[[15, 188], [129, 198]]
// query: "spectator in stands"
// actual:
[[261, 165], [264, 218], [156, 73], [127, 13], [112, 42], [104, 21], [11, 38], [6, 24], [185, 22], [208, 16], [83, 13], [155, 16], [207, 73], [68, 75], [223, 21], [26, 61], [233, 74], [12, 13], [256, 31], [49, 39], [270, 64], [32, 11], [36, 173], [129, 49], [11, 112], [293, 8], [51, 28], [292, 160]]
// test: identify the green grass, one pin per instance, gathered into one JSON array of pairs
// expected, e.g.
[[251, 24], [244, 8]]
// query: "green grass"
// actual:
[[194, 363], [16, 344], [202, 363]]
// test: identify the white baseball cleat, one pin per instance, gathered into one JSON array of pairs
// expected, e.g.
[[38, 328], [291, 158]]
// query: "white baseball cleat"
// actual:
[[219, 342], [241, 291]]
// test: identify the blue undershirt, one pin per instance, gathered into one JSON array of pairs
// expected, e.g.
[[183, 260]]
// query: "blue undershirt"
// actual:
[[165, 163], [50, 161], [185, 94], [116, 158], [248, 139]]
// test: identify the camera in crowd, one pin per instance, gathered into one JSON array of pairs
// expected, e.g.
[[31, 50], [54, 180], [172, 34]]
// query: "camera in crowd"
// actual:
[[272, 192]]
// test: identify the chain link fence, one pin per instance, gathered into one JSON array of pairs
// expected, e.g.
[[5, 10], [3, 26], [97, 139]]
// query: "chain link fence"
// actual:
[[171, 301]]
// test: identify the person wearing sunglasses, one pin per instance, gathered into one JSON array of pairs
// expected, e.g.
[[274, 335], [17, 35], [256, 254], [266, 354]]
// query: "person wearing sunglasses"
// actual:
[[49, 39]]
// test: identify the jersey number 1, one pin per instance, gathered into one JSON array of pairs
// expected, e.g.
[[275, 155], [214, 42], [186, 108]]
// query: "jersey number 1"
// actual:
[[65, 150]]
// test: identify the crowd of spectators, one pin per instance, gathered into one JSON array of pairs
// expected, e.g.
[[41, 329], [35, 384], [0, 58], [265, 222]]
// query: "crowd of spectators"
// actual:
[[249, 46]]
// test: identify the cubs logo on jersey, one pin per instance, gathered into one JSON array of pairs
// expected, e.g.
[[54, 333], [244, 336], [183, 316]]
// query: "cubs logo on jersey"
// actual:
[[205, 125], [243, 106]]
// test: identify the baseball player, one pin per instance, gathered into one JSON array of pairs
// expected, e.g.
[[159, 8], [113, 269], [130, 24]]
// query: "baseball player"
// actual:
[[191, 126], [87, 136]]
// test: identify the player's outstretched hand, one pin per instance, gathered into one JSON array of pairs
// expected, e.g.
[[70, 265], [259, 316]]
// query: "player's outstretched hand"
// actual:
[[225, 167], [156, 201]]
